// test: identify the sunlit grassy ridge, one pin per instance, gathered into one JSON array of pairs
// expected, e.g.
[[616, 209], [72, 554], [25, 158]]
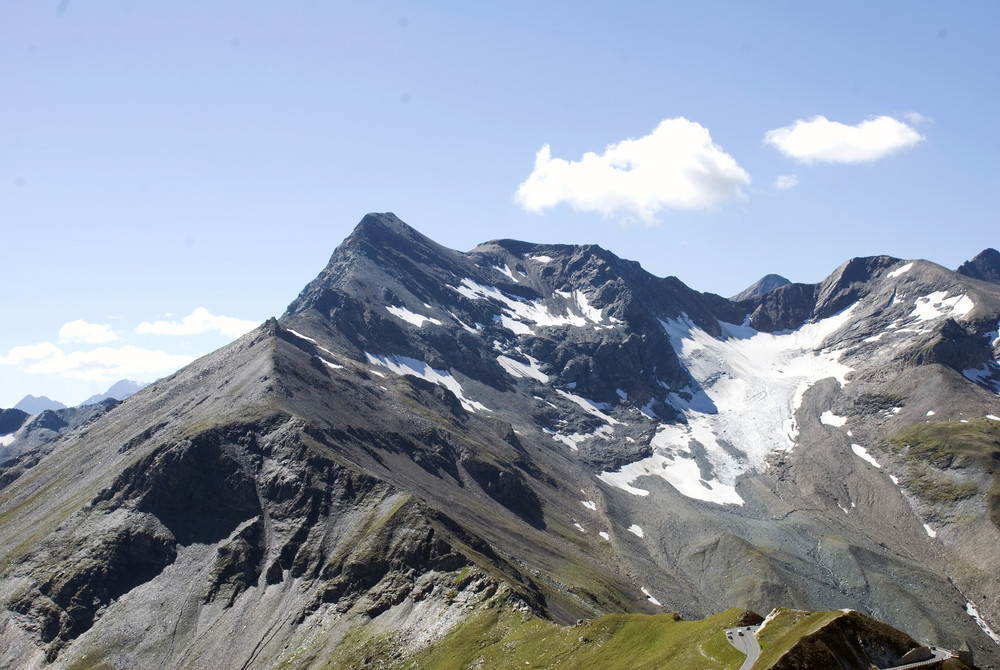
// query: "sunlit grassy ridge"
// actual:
[[501, 638], [784, 630]]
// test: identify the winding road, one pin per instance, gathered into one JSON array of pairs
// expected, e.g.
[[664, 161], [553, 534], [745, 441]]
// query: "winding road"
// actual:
[[744, 639]]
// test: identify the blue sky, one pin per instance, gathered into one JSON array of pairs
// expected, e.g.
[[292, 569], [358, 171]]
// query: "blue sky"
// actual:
[[171, 173]]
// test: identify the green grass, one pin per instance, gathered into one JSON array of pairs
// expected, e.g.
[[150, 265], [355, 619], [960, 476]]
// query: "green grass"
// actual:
[[928, 448], [505, 639]]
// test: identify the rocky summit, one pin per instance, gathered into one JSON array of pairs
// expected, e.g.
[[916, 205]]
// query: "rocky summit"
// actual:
[[530, 455]]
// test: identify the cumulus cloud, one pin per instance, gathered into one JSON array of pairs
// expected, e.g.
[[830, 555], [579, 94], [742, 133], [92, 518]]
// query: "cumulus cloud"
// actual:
[[196, 323], [677, 166], [783, 182], [820, 140], [103, 364], [88, 333]]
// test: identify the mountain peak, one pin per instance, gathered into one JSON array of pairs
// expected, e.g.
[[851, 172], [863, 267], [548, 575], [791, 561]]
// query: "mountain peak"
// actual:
[[985, 266], [37, 404], [120, 390], [765, 284]]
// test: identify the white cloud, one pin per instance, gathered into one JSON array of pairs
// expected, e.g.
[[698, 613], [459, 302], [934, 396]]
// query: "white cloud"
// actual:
[[784, 182], [103, 364], [89, 333], [677, 166], [197, 322], [820, 140]]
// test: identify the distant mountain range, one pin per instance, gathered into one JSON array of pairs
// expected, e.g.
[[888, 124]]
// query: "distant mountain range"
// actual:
[[118, 391], [36, 420], [527, 455], [35, 404]]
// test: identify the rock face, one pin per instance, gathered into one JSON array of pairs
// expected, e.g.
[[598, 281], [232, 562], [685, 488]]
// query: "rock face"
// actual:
[[427, 434], [11, 420], [846, 640], [985, 266]]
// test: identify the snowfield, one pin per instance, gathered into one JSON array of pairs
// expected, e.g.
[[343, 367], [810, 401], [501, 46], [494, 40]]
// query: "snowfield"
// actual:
[[740, 408]]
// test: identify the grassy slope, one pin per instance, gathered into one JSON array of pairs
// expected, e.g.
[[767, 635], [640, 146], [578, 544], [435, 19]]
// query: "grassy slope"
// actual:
[[499, 638], [927, 448]]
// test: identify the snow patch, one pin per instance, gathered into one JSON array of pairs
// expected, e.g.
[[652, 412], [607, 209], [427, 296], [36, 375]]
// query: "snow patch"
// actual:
[[993, 417], [830, 419], [541, 258], [404, 365], [649, 597], [411, 317], [518, 369], [569, 440], [589, 504], [930, 412], [930, 531], [983, 376], [332, 366], [579, 527], [621, 394], [5, 440], [863, 453], [504, 270], [591, 407], [971, 610], [895, 479], [647, 410], [900, 271], [605, 536], [465, 326], [517, 310], [936, 305], [518, 314], [300, 336], [636, 530]]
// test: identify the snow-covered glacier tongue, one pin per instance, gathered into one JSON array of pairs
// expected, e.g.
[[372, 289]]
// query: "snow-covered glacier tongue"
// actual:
[[739, 408]]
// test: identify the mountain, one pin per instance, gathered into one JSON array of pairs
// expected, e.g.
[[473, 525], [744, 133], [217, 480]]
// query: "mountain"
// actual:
[[451, 459], [119, 391], [11, 420], [763, 285], [35, 404], [985, 266], [37, 429]]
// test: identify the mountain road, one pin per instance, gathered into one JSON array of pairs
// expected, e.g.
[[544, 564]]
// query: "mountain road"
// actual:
[[744, 639]]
